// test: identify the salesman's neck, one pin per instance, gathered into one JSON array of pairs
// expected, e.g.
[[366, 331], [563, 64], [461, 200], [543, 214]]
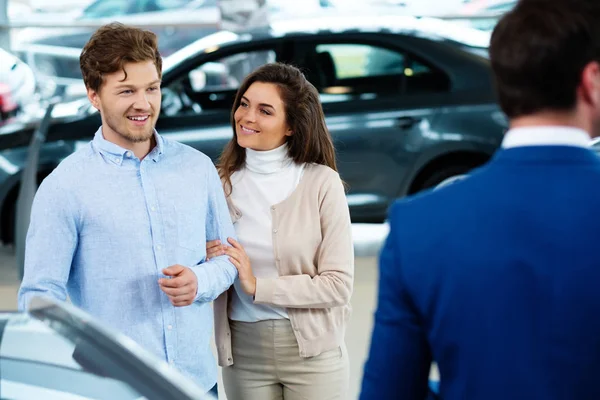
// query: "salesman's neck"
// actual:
[[549, 119]]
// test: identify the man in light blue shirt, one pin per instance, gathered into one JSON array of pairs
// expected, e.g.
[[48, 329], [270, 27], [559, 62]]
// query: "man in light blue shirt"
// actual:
[[121, 225]]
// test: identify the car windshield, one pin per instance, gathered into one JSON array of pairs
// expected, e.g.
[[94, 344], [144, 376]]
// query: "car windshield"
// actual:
[[207, 44], [38, 361], [58, 352]]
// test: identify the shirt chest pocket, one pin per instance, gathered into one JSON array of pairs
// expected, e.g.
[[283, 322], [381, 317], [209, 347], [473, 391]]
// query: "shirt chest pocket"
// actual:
[[190, 226]]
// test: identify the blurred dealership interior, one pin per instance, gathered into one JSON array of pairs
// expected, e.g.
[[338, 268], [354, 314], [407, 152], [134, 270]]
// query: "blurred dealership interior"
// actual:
[[405, 87]]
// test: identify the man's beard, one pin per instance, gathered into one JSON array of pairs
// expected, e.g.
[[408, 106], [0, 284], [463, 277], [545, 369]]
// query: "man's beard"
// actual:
[[140, 137], [144, 137]]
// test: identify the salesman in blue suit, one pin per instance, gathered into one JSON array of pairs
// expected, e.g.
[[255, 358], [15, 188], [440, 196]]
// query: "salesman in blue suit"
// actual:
[[497, 277]]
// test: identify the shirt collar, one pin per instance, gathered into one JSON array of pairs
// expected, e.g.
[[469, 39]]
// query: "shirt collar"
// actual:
[[116, 153], [546, 136]]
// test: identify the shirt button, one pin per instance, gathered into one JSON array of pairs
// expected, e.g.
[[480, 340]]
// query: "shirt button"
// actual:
[[273, 208], [227, 333], [274, 230], [159, 247], [170, 327], [229, 359], [171, 362], [117, 160], [153, 208]]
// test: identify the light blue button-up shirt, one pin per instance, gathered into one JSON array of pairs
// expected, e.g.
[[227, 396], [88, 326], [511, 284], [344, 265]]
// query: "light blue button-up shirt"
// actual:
[[104, 225]]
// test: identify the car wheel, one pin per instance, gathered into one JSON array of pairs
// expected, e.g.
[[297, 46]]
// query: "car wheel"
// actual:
[[445, 176]]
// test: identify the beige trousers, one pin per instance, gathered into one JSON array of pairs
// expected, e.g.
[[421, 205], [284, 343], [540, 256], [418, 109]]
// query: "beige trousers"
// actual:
[[267, 366]]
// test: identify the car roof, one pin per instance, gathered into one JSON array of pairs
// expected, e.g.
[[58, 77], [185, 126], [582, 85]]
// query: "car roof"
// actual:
[[429, 28], [433, 28]]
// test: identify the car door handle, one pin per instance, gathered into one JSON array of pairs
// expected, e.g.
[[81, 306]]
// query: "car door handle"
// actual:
[[407, 122]]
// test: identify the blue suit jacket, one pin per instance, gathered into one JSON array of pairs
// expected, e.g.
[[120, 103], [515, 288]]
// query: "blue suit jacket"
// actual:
[[497, 279]]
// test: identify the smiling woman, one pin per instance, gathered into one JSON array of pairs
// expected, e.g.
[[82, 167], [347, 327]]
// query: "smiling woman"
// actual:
[[260, 118], [276, 104], [294, 255]]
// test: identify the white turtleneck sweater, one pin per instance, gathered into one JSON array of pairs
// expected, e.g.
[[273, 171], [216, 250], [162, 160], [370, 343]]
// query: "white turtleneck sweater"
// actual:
[[268, 178]]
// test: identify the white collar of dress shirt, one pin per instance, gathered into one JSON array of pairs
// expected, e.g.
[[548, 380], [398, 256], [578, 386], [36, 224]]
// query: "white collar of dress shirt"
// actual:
[[546, 136]]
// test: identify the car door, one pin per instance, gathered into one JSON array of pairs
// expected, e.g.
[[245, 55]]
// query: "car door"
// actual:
[[197, 103], [378, 107]]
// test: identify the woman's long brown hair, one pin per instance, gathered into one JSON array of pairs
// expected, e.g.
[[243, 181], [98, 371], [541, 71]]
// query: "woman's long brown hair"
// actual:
[[310, 141]]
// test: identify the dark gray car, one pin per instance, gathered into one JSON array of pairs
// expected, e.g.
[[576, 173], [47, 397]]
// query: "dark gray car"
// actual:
[[409, 103]]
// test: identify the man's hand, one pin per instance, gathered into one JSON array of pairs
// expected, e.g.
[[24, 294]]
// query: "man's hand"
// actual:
[[239, 258], [182, 287]]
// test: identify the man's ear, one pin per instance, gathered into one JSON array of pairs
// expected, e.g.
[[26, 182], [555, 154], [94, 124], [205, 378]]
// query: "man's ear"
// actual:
[[590, 83], [94, 98]]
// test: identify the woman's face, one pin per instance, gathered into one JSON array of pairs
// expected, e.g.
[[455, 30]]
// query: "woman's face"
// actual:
[[260, 122]]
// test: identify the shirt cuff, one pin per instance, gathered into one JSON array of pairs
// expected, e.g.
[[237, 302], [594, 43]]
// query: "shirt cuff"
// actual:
[[196, 270], [265, 291]]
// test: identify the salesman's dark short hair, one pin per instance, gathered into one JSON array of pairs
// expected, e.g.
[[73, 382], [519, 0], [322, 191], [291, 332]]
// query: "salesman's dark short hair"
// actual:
[[538, 52]]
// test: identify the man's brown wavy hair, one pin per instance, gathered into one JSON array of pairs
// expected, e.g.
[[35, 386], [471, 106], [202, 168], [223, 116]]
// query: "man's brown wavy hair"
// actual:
[[310, 141], [111, 47]]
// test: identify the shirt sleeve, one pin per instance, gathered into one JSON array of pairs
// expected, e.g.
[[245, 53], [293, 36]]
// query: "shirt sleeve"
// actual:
[[51, 243], [218, 274], [332, 286], [400, 357]]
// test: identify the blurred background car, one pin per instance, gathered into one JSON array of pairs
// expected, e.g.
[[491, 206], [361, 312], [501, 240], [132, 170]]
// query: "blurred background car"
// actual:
[[409, 103], [8, 107], [485, 13], [45, 6], [53, 53], [18, 10], [57, 352], [17, 86]]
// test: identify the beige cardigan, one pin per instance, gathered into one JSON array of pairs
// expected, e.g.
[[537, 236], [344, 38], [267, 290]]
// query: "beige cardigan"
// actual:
[[312, 244]]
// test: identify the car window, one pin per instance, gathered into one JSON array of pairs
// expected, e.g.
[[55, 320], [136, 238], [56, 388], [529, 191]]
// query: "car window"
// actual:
[[357, 60], [340, 70], [36, 362], [202, 88]]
